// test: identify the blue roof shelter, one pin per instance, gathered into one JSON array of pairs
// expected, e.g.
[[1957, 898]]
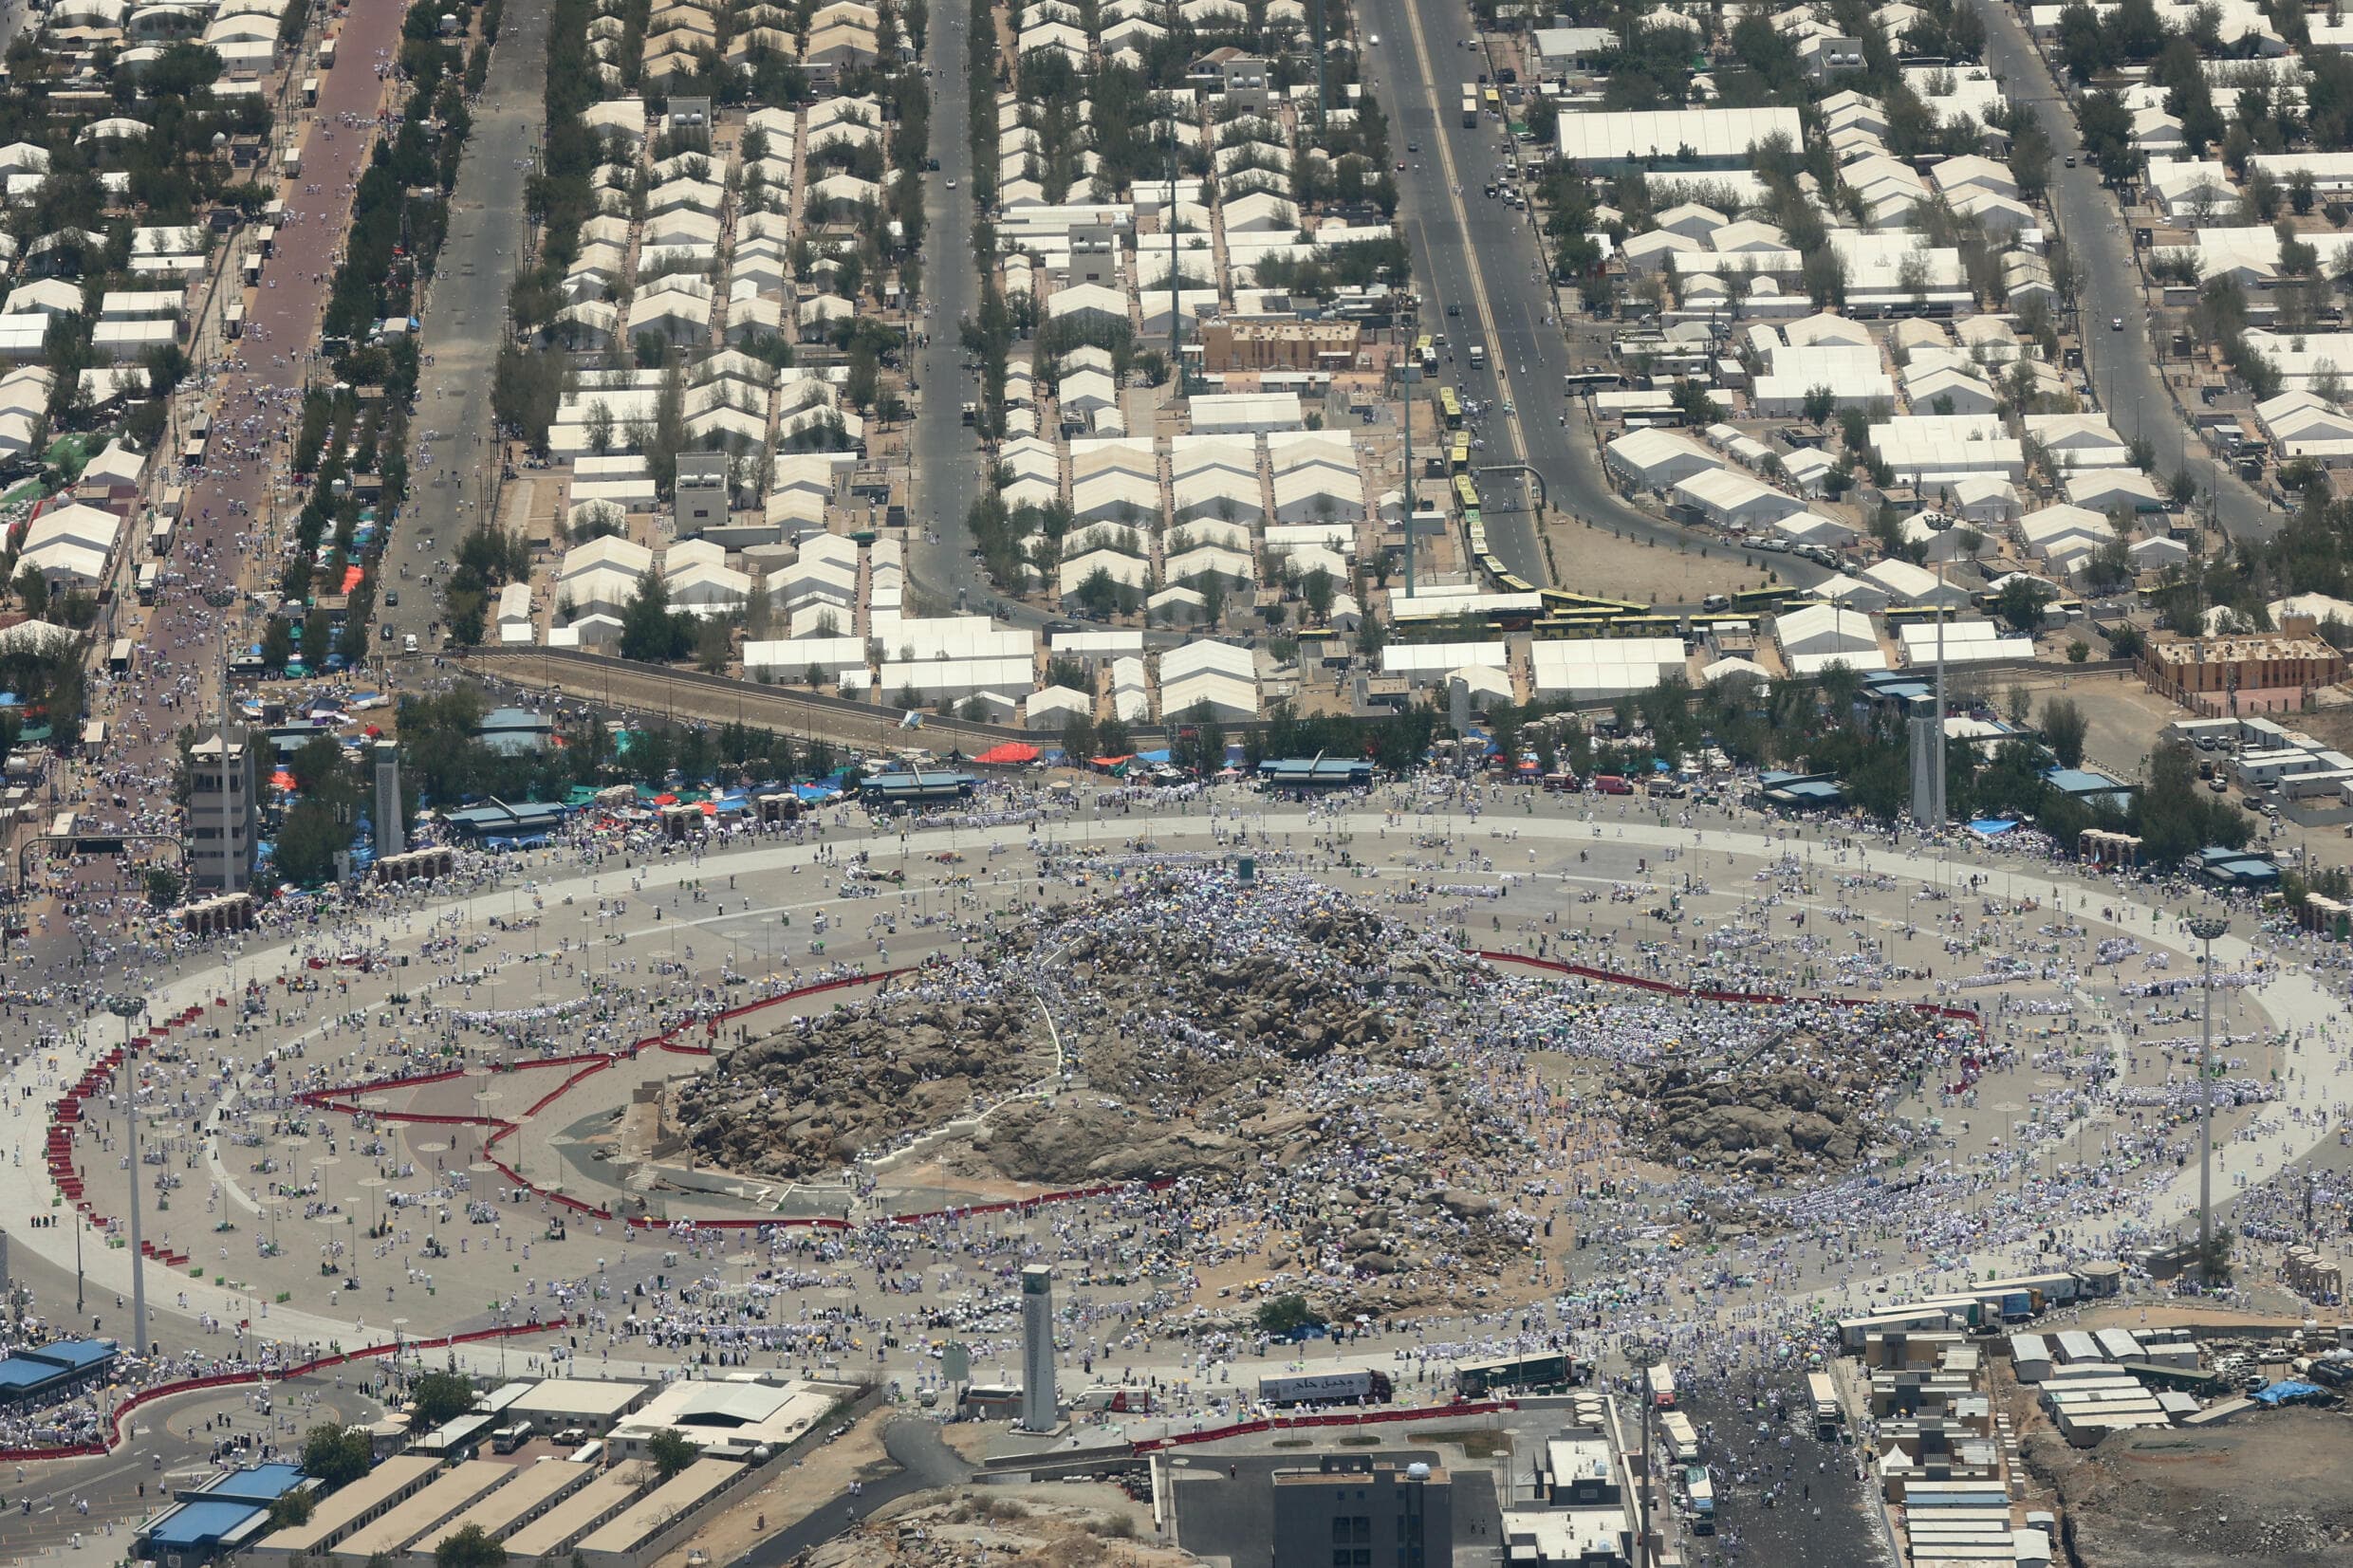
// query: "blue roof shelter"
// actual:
[[2229, 868], [254, 1484], [54, 1370], [198, 1532]]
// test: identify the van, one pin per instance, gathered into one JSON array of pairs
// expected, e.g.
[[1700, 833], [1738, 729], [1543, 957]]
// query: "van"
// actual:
[[1479, 356], [408, 643], [1716, 601], [1612, 784]]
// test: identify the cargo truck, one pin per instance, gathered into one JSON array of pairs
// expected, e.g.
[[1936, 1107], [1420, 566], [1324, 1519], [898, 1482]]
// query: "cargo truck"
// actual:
[[1345, 1386], [1682, 1437], [1547, 1370], [1828, 1412], [1661, 1381]]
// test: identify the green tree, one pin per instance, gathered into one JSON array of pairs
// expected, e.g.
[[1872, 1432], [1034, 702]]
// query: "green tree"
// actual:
[[163, 888], [1317, 590], [336, 1454], [441, 1398], [2022, 602], [2064, 729], [473, 1547], [307, 843], [32, 591], [288, 1509], [649, 633], [671, 1451], [2214, 1257]]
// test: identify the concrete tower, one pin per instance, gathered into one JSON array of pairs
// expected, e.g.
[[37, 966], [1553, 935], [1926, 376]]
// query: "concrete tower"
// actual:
[[1037, 1349], [391, 821]]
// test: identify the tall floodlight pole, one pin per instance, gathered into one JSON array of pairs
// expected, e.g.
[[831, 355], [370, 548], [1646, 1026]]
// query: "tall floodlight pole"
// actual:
[[2205, 928], [1938, 524], [220, 599], [126, 1006], [1406, 371]]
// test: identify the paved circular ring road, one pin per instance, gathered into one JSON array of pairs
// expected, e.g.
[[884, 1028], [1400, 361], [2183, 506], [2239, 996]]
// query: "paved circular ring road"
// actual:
[[2295, 1001]]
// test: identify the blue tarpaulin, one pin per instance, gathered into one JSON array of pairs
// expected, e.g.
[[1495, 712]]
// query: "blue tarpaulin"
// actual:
[[1992, 827], [2279, 1394]]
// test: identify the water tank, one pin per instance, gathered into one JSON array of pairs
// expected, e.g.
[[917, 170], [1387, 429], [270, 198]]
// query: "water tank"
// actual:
[[1417, 1471]]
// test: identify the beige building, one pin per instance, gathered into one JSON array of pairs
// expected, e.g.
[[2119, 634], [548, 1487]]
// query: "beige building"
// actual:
[[2200, 671], [1284, 344]]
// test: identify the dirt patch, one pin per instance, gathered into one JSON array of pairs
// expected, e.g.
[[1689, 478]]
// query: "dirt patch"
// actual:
[[1595, 560], [824, 1090], [2269, 1487], [1075, 1527], [821, 1474]]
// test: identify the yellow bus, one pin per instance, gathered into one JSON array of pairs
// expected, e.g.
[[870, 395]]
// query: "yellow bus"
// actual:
[[1465, 493], [1458, 453], [1426, 353], [1494, 101], [1450, 408]]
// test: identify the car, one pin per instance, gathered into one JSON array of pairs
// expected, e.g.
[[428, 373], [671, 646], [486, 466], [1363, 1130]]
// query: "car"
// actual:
[[391, 599], [408, 643], [2070, 162], [952, 182], [1454, 310], [2116, 323], [1373, 39], [1413, 146], [1400, 166], [388, 632]]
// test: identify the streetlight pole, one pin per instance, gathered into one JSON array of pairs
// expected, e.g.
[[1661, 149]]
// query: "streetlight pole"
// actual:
[[1938, 524], [126, 1006], [2205, 928], [220, 599]]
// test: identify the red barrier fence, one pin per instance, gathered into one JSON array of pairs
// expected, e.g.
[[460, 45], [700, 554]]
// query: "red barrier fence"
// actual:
[[228, 1379], [1295, 1423]]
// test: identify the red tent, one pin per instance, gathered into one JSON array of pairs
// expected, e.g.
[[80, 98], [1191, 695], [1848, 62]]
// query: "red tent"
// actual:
[[1006, 754]]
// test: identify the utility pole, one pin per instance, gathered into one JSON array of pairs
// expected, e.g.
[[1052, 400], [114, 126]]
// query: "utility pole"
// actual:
[[1405, 382], [1175, 283], [126, 1006], [1939, 523], [2205, 928]]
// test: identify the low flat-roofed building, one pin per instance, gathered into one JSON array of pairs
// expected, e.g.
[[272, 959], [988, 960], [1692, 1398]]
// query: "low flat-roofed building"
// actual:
[[556, 1530], [624, 1541], [452, 1491], [341, 1513], [593, 1404], [534, 1489], [729, 1411]]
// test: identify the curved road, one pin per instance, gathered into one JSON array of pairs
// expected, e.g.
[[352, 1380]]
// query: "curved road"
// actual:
[[2294, 1000], [2120, 366], [1480, 258]]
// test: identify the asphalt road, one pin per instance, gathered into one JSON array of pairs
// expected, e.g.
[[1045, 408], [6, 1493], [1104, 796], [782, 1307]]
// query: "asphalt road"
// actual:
[[2122, 365], [451, 471], [180, 650], [1479, 257], [924, 1462], [947, 457]]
